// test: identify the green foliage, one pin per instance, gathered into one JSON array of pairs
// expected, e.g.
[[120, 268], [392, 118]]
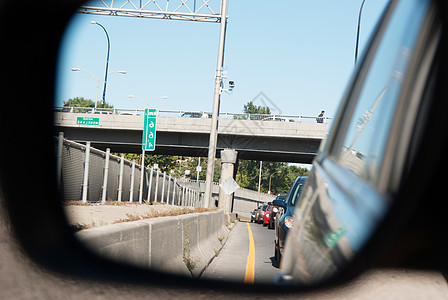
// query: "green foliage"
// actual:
[[176, 165], [81, 102], [251, 108], [185, 163], [280, 174]]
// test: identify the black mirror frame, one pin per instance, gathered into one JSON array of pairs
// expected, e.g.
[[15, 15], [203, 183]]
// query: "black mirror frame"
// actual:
[[34, 209]]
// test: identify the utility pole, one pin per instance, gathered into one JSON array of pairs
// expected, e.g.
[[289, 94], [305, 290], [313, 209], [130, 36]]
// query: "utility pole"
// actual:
[[216, 103]]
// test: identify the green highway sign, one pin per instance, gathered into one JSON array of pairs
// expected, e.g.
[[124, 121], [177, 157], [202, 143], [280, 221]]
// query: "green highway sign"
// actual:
[[149, 129], [87, 121]]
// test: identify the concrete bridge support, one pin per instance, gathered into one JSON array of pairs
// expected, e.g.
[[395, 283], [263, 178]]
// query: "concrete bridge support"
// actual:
[[228, 160]]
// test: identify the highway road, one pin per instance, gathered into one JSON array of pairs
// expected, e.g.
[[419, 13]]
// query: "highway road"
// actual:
[[247, 256], [21, 278]]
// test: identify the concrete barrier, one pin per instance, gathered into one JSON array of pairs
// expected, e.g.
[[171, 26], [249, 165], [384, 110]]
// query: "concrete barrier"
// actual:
[[194, 257], [182, 244]]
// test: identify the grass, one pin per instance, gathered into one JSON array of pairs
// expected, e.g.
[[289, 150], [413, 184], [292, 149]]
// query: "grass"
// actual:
[[220, 238], [189, 261], [157, 214]]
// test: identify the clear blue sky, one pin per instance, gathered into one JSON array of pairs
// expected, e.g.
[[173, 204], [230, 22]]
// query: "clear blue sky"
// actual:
[[299, 53]]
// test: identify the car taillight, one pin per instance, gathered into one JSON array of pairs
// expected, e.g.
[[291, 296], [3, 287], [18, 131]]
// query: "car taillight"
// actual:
[[288, 222]]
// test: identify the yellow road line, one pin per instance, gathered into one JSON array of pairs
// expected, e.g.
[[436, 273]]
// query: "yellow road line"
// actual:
[[250, 265]]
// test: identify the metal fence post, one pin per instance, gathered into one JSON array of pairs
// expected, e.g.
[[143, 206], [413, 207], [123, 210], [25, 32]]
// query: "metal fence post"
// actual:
[[85, 184], [163, 186], [120, 179], [174, 190], [157, 185], [142, 176], [59, 161], [183, 195], [105, 176], [131, 192], [150, 184], [188, 197], [168, 190]]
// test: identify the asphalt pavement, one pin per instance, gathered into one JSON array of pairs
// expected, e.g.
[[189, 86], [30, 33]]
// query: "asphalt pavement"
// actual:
[[21, 278], [232, 262]]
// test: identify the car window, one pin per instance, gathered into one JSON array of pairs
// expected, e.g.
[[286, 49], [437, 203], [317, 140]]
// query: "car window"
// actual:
[[367, 133], [296, 194]]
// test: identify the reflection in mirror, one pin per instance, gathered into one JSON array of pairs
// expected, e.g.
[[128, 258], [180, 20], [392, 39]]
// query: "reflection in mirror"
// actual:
[[134, 111], [342, 202]]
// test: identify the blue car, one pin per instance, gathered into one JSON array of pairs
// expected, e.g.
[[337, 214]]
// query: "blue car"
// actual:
[[285, 216]]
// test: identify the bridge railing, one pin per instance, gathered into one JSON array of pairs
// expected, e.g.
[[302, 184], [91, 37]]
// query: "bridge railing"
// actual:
[[191, 114]]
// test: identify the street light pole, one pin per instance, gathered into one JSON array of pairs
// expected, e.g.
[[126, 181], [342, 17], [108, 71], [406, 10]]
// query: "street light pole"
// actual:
[[147, 102], [216, 100], [107, 60], [270, 177], [357, 32], [96, 80]]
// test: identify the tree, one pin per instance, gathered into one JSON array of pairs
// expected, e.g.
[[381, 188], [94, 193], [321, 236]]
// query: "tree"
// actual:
[[251, 108], [281, 174], [81, 102], [176, 165], [165, 163]]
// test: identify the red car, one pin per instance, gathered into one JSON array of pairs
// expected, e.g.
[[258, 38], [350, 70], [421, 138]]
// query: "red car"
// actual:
[[266, 215]]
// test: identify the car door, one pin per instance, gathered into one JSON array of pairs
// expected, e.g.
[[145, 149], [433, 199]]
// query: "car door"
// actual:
[[370, 147]]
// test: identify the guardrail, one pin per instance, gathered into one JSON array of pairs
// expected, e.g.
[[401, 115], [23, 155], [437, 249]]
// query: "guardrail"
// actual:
[[190, 114]]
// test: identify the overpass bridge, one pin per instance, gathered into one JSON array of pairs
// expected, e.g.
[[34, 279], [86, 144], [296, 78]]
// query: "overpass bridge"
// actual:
[[295, 139]]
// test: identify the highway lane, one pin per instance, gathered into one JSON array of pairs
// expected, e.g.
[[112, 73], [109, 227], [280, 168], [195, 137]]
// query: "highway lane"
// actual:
[[238, 262], [23, 278]]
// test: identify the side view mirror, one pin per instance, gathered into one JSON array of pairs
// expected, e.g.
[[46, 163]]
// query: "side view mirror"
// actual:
[[279, 203]]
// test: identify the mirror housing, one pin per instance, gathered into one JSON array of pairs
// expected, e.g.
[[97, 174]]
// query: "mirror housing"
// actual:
[[279, 203]]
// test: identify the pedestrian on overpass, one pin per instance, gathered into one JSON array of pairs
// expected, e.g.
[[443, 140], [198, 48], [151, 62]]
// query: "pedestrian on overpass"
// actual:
[[320, 118]]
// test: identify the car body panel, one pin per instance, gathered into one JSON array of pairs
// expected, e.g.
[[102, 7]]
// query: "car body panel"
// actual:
[[369, 147], [261, 212], [266, 216], [273, 211], [285, 212]]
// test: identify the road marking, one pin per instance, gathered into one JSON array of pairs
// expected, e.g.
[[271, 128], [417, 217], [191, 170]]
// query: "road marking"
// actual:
[[250, 265]]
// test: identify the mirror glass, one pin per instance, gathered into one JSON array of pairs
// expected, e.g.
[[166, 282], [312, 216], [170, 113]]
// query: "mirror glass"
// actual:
[[137, 83]]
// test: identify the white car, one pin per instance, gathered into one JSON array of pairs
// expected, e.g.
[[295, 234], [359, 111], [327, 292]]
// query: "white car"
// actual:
[[278, 119]]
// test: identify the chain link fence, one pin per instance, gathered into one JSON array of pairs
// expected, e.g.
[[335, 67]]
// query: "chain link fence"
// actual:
[[90, 175]]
